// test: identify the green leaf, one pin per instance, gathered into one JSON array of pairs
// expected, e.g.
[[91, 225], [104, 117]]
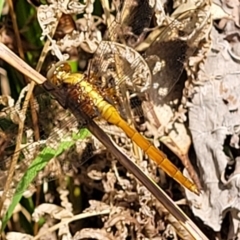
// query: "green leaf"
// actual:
[[82, 134], [74, 65], [1, 6]]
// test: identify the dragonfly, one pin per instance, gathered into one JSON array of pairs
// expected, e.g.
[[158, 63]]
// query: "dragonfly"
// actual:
[[99, 93]]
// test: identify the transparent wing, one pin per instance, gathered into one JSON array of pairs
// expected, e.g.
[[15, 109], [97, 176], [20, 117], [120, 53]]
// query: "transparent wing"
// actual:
[[44, 160], [115, 62], [133, 20], [121, 64], [167, 55], [130, 15]]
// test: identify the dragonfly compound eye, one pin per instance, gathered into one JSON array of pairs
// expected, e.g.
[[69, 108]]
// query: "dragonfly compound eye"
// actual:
[[59, 72]]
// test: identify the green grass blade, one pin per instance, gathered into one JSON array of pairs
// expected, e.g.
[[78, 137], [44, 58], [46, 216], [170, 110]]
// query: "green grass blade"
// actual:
[[1, 6]]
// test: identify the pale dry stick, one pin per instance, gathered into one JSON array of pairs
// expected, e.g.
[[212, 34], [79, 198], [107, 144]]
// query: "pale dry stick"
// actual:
[[5, 87], [12, 59], [102, 136]]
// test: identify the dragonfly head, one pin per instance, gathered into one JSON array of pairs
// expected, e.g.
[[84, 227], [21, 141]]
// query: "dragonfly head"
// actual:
[[59, 72]]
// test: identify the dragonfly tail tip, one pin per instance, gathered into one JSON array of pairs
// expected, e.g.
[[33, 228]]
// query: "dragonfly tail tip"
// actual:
[[195, 190]]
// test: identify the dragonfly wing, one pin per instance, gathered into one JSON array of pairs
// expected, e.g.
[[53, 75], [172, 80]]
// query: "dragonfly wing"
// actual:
[[116, 59], [130, 27], [166, 61], [123, 65], [167, 55], [62, 137]]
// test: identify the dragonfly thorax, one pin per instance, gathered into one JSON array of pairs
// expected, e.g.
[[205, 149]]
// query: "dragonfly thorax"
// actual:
[[59, 73]]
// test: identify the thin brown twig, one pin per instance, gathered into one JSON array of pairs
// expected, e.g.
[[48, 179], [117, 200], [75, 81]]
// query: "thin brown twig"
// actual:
[[21, 123], [21, 53]]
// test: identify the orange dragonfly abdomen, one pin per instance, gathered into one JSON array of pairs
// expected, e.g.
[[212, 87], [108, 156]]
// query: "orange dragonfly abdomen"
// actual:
[[112, 116]]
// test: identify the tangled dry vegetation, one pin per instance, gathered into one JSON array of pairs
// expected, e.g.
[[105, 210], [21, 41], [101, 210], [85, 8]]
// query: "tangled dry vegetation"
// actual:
[[179, 62]]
